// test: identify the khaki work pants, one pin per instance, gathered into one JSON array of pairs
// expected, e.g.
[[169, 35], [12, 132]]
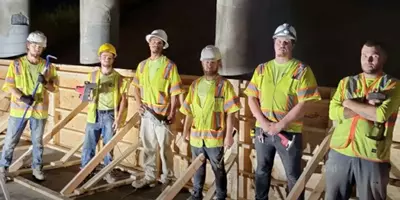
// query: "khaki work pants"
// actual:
[[153, 134]]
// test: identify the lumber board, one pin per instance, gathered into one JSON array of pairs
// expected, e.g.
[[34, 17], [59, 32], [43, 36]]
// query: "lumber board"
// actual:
[[3, 124], [109, 167], [38, 188], [83, 173], [319, 189], [102, 188], [309, 169], [4, 189], [68, 155], [229, 163], [48, 136], [46, 167], [170, 192]]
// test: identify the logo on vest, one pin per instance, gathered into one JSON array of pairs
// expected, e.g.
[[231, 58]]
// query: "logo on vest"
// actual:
[[373, 150]]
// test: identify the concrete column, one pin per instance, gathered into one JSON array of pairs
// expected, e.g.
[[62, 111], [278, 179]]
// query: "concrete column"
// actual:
[[14, 27], [99, 23], [244, 31]]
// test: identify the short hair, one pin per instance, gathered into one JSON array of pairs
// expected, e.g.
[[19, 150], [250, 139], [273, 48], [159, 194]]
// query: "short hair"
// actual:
[[377, 44]]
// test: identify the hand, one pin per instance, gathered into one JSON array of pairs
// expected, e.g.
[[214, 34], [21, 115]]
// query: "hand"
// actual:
[[171, 117], [276, 128], [265, 126], [186, 136], [141, 109], [42, 79], [374, 102], [115, 125], [346, 103], [27, 99], [228, 141]]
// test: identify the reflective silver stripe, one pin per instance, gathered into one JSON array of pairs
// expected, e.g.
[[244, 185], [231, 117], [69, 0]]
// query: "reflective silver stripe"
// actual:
[[218, 90], [301, 68], [230, 103], [168, 70], [261, 68], [207, 134], [142, 64], [94, 78], [351, 86], [17, 67], [23, 106]]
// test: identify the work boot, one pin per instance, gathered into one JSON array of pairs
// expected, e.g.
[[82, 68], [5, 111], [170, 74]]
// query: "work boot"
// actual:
[[143, 182], [110, 177], [38, 174]]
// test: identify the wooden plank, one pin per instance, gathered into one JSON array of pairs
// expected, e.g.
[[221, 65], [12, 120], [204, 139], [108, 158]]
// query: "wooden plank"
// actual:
[[6, 194], [109, 167], [319, 189], [309, 169], [48, 136], [3, 124], [68, 155], [170, 192], [103, 188], [46, 167], [83, 173], [229, 163], [38, 188]]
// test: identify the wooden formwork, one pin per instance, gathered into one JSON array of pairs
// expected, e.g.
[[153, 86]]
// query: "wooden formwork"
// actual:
[[67, 126]]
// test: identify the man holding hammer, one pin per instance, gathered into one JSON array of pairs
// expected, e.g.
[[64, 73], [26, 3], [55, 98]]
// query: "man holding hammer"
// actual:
[[278, 93]]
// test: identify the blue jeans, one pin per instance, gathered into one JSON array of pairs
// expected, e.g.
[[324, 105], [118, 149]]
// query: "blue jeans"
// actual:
[[103, 127], [342, 172], [291, 160], [13, 136], [214, 155]]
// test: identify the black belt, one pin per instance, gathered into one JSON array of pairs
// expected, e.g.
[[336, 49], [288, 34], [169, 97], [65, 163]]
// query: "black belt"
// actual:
[[105, 111]]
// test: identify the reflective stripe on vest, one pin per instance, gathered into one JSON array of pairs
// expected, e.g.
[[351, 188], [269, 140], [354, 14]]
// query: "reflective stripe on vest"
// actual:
[[218, 94], [17, 67]]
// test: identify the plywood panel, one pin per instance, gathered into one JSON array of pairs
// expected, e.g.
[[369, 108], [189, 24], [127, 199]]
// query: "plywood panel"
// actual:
[[3, 71], [71, 80], [70, 138], [69, 99], [78, 123]]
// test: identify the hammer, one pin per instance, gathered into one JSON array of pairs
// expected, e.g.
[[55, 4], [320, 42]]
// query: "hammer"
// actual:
[[219, 165]]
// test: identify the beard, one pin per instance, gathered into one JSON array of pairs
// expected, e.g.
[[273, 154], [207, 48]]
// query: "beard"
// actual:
[[210, 73], [372, 69]]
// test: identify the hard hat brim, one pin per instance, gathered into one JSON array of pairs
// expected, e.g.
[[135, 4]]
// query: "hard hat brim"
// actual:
[[284, 36], [149, 36]]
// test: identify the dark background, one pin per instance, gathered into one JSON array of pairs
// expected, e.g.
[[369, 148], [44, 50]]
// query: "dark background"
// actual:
[[330, 33]]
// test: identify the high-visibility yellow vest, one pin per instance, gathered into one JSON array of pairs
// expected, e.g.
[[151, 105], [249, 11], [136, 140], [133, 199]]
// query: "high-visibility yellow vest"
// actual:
[[209, 120], [156, 93], [18, 76], [120, 87], [349, 136], [276, 100]]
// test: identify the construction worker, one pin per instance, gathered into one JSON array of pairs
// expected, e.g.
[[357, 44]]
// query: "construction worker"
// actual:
[[23, 74], [157, 87], [277, 94], [108, 109], [210, 100], [364, 108]]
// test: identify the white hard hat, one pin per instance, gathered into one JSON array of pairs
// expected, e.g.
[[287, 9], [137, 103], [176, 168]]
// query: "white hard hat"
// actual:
[[38, 38], [285, 30], [159, 33], [210, 52]]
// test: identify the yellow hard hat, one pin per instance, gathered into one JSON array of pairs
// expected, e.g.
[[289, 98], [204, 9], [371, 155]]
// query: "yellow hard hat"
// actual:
[[108, 48]]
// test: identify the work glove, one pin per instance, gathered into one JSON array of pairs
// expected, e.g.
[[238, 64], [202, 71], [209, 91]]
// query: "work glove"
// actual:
[[27, 99], [41, 79]]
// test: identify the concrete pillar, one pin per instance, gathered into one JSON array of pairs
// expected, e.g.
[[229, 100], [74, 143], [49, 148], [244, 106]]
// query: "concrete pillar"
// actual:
[[99, 23], [244, 31], [14, 27]]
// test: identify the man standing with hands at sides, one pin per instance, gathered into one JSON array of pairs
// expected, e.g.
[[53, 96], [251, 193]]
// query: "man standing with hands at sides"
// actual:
[[108, 109], [278, 93], [21, 79], [211, 100], [365, 108], [157, 87]]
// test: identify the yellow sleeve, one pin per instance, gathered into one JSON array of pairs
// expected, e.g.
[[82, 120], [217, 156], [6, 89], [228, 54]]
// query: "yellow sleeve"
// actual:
[[254, 84], [124, 85], [10, 78], [231, 100], [336, 110], [176, 83], [186, 105], [135, 81], [54, 77], [391, 104], [308, 89]]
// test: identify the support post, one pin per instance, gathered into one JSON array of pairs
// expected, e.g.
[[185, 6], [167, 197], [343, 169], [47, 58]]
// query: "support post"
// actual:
[[74, 183], [48, 136], [170, 192]]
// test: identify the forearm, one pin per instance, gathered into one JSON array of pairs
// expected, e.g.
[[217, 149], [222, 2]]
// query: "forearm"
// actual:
[[188, 124], [229, 125], [50, 86], [364, 110], [348, 113], [256, 110], [136, 94], [174, 103], [16, 92], [295, 113], [122, 106]]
